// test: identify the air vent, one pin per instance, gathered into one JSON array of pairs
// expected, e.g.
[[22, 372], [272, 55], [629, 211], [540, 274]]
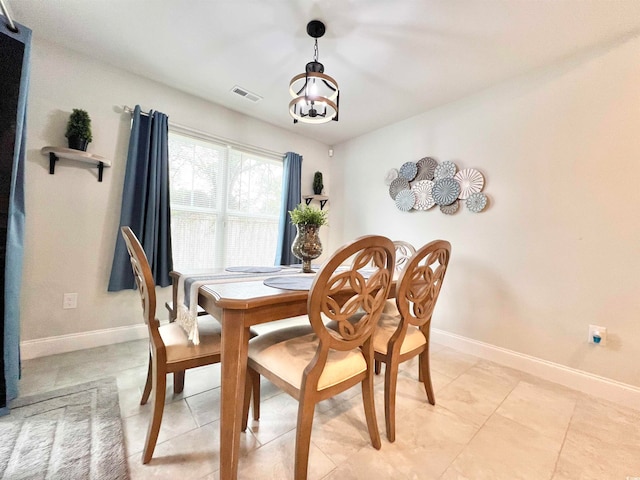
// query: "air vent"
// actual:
[[244, 93]]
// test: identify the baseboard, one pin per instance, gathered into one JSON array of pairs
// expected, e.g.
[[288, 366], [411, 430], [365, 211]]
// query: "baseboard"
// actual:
[[79, 341], [614, 391]]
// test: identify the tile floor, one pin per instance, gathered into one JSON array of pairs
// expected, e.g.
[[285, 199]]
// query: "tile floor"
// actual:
[[489, 422]]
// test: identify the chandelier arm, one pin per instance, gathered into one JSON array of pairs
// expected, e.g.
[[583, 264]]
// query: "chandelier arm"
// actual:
[[319, 117], [302, 89], [329, 86]]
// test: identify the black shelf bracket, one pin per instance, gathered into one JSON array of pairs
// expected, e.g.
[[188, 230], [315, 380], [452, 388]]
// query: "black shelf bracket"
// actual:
[[53, 158], [52, 163], [309, 198]]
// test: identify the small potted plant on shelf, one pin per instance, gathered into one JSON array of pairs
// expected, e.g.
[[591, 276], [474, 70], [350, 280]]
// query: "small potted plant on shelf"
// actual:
[[317, 183], [306, 246], [79, 130]]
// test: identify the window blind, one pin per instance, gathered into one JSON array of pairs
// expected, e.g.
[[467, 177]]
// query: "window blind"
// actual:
[[224, 204]]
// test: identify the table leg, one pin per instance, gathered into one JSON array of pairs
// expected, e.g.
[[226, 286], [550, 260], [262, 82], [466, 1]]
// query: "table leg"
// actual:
[[235, 342]]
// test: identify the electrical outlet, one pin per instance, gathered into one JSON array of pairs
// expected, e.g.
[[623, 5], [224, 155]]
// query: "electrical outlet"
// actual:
[[597, 335], [70, 300]]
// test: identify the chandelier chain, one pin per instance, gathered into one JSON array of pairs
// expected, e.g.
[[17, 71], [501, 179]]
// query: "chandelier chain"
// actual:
[[315, 51]]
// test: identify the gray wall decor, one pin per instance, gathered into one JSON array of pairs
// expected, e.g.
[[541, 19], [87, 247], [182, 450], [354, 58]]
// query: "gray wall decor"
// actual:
[[426, 183]]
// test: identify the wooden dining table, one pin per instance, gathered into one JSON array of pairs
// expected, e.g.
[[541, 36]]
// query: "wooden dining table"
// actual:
[[239, 306]]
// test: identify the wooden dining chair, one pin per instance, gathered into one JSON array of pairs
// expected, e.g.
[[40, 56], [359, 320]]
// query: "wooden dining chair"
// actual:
[[312, 362], [404, 333], [404, 251], [170, 351]]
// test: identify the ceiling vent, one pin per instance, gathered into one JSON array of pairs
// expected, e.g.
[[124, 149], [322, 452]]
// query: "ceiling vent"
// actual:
[[246, 94]]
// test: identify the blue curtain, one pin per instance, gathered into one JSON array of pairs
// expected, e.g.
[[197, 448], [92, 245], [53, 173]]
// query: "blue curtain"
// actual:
[[291, 196], [14, 81], [145, 201]]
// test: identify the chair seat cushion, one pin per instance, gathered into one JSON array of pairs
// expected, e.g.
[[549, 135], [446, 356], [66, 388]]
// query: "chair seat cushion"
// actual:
[[287, 352], [179, 347], [390, 307], [387, 326]]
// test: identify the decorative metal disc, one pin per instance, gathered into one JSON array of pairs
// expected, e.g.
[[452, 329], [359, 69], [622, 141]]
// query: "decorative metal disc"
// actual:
[[445, 191], [470, 180], [476, 202], [398, 185], [422, 190], [390, 176], [423, 175], [405, 200], [450, 209], [445, 170], [426, 168], [408, 170]]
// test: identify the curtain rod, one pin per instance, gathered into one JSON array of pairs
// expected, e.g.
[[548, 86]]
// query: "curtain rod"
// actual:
[[5, 12], [199, 133]]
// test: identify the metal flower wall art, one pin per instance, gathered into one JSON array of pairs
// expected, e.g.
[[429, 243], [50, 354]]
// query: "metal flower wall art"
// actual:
[[427, 183]]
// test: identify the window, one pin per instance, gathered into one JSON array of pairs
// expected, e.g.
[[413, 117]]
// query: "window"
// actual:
[[225, 204]]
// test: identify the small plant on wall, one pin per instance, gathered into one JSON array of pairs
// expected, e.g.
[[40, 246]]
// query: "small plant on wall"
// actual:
[[79, 130], [317, 183]]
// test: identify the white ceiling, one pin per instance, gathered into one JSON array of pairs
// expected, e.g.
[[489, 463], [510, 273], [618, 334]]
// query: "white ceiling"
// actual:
[[392, 58]]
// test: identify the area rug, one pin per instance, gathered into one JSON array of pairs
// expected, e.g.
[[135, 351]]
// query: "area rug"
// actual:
[[70, 433]]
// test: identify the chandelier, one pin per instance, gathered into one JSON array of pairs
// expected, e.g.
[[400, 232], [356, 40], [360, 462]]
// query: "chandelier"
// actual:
[[316, 97]]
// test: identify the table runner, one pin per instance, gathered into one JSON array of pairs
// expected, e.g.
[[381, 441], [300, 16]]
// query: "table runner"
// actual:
[[187, 294], [254, 269]]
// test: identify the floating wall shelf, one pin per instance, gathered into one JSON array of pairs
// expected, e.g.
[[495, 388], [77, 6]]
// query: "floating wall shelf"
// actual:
[[55, 153], [323, 199]]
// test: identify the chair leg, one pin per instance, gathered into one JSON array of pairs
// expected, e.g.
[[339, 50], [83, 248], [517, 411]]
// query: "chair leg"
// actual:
[[370, 410], [178, 382], [256, 396], [376, 366], [147, 386], [159, 392], [425, 376], [306, 409], [249, 389], [390, 384]]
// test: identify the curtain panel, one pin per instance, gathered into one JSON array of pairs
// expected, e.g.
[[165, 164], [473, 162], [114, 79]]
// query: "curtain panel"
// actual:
[[291, 197], [15, 50], [145, 201]]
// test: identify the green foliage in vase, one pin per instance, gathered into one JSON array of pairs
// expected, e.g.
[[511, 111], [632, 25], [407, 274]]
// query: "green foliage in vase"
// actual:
[[79, 125], [306, 215]]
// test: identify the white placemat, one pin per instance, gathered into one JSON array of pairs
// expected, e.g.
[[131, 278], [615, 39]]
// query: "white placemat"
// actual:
[[290, 282]]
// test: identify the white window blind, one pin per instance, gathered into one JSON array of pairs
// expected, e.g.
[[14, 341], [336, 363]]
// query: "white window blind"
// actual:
[[225, 204]]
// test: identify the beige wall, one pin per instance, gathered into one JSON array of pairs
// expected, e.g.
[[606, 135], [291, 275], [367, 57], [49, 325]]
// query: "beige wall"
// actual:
[[72, 219], [558, 248]]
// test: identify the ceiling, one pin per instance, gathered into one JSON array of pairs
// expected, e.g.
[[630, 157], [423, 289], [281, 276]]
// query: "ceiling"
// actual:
[[392, 59]]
